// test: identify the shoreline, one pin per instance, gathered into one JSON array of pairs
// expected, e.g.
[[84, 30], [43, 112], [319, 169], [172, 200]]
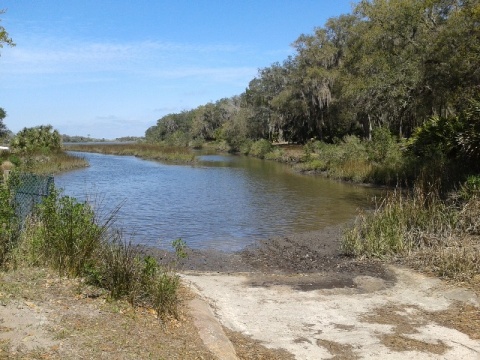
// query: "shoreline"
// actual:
[[307, 254]]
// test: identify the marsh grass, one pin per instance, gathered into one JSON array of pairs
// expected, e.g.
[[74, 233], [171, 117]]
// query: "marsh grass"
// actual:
[[143, 150], [379, 161], [421, 229], [43, 163], [55, 163], [346, 160]]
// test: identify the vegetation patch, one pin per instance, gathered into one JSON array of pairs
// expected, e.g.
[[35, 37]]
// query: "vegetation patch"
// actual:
[[402, 344], [405, 321], [338, 350], [143, 150]]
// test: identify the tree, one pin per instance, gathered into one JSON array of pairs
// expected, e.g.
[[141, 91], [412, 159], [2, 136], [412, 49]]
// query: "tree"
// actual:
[[4, 39], [3, 127], [37, 139]]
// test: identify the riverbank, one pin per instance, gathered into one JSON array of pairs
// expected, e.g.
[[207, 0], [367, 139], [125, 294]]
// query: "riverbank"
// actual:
[[43, 164], [306, 277], [288, 297], [178, 155]]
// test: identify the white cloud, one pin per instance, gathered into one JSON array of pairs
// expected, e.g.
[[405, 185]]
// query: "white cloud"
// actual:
[[64, 56]]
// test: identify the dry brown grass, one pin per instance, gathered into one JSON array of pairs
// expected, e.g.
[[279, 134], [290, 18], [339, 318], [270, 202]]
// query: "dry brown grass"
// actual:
[[69, 319], [52, 163], [405, 320], [83, 323]]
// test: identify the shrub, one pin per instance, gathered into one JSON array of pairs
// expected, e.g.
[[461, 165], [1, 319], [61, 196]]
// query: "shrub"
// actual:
[[246, 146], [448, 148], [386, 158], [277, 154], [260, 148], [125, 272], [69, 237], [9, 225], [37, 139], [470, 188], [197, 143], [346, 160], [65, 235]]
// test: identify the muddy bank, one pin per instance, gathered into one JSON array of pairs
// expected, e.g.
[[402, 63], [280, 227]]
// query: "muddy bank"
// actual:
[[307, 253]]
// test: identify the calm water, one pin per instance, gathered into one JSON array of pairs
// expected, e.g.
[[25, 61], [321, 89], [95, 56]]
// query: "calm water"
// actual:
[[224, 202]]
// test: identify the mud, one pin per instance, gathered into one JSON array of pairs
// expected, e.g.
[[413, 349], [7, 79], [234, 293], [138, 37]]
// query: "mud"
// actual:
[[316, 255]]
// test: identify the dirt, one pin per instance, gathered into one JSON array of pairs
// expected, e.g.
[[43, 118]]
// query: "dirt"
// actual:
[[290, 297], [298, 296], [315, 252]]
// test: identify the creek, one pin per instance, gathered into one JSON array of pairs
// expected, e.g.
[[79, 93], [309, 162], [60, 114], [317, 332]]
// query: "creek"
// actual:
[[223, 202]]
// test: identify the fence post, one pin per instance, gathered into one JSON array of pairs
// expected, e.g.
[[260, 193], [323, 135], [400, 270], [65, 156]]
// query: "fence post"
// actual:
[[6, 174]]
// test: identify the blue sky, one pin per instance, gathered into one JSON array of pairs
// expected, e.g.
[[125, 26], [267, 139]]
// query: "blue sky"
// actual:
[[111, 68]]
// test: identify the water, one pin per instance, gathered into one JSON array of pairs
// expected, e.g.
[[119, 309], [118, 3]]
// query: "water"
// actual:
[[223, 203]]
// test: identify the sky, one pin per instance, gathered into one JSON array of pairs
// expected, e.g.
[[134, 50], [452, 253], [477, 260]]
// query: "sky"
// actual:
[[112, 68]]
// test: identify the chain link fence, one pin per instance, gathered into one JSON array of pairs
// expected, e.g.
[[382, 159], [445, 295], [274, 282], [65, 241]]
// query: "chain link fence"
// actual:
[[29, 191]]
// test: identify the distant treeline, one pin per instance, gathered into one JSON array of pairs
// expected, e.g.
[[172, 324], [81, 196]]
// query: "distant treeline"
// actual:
[[82, 139], [389, 63]]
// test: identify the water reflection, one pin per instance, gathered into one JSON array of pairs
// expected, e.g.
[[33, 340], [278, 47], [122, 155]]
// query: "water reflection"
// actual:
[[223, 202]]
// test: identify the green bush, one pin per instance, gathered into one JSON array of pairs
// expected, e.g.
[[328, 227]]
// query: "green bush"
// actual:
[[346, 160], [447, 148], [66, 234], [246, 146], [197, 143], [470, 188], [276, 154], [260, 148], [386, 157], [125, 271], [9, 225]]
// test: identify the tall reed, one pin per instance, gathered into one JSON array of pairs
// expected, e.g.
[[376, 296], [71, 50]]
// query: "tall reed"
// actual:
[[399, 224], [421, 229]]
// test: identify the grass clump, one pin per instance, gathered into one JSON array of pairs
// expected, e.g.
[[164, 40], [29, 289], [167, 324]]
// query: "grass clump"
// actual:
[[64, 234], [380, 160], [423, 230], [399, 224]]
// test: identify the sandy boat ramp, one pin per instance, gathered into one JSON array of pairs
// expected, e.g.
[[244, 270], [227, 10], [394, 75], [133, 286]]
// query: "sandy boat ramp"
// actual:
[[309, 317]]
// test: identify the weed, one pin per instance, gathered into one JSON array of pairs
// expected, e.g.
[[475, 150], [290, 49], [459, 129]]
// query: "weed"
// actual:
[[163, 291], [119, 268], [423, 230]]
